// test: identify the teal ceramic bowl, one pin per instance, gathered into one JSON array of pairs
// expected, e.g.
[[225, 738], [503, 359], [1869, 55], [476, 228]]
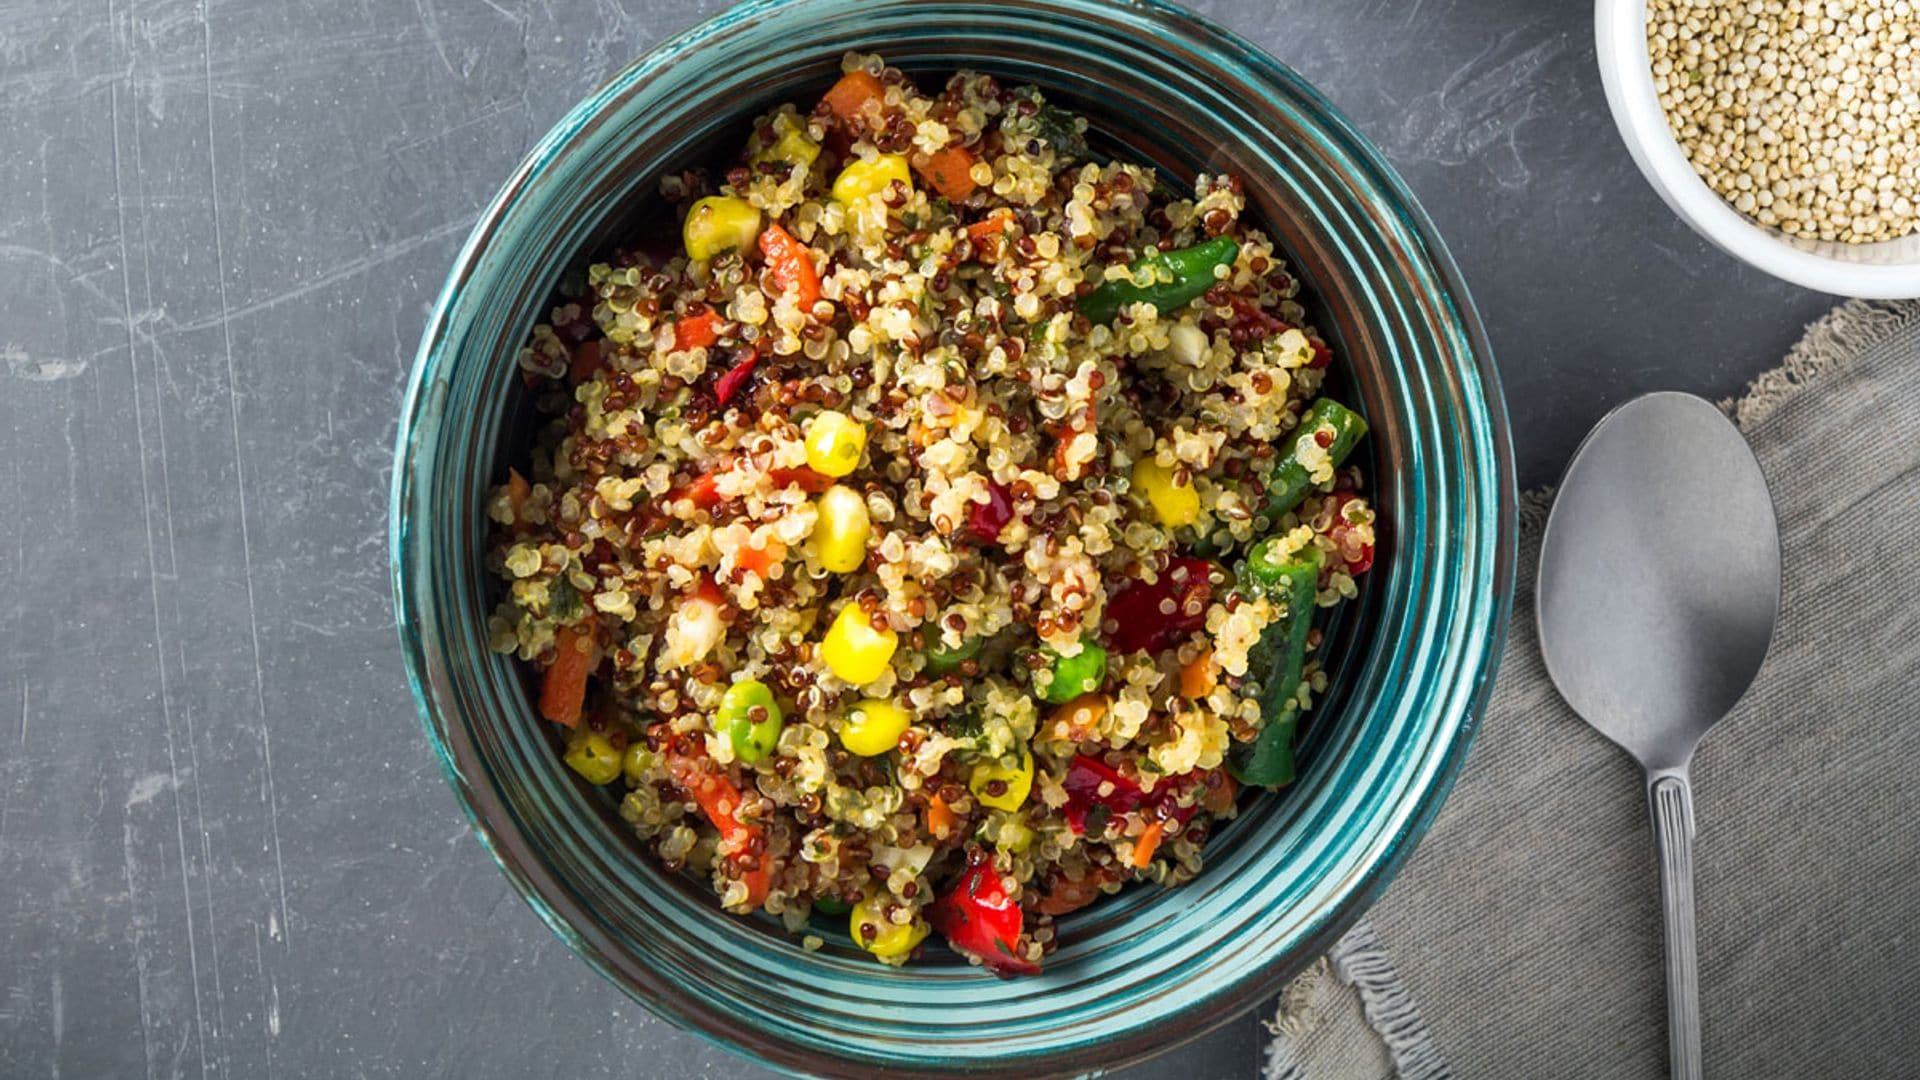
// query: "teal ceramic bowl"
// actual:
[[1411, 661]]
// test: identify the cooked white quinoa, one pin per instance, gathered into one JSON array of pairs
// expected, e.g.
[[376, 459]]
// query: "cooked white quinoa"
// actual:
[[682, 544]]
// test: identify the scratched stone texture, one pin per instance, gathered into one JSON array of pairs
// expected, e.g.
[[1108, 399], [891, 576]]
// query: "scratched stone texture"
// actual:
[[224, 847]]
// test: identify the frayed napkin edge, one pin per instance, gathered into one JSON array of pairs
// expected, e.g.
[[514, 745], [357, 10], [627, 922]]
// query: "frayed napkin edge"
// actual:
[[1829, 342]]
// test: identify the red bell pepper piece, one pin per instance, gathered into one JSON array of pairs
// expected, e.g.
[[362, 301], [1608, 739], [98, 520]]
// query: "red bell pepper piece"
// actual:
[[1141, 615], [986, 519], [697, 331], [707, 589], [704, 490], [735, 378], [1091, 782], [720, 799], [979, 919], [1259, 324]]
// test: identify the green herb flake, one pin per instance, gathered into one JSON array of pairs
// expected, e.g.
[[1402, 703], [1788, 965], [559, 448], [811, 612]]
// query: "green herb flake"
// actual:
[[563, 600]]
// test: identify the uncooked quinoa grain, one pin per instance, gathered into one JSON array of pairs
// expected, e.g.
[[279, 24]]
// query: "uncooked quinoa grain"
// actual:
[[1803, 114], [887, 583]]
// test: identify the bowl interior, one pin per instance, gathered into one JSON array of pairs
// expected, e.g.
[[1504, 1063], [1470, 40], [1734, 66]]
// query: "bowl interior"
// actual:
[[1885, 269], [1409, 662]]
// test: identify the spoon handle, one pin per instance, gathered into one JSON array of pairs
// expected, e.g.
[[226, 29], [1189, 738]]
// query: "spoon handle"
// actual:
[[1672, 798]]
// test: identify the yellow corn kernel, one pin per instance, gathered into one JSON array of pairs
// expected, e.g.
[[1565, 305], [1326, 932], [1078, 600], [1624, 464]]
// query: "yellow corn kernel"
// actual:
[[873, 727], [840, 537], [870, 176], [720, 223], [790, 143], [1173, 503], [879, 935], [1013, 837], [834, 443], [593, 757], [854, 650], [1014, 782]]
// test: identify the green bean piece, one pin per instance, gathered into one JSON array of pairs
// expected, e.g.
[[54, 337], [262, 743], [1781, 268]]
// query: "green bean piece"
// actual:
[[1268, 760], [1281, 654], [751, 719], [831, 905], [1071, 676], [1177, 278], [947, 661], [1289, 481]]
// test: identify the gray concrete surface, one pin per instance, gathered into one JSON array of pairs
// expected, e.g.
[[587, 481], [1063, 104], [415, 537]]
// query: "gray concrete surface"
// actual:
[[224, 848]]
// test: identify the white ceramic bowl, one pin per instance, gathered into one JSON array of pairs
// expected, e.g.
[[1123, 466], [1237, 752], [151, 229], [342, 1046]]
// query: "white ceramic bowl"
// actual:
[[1889, 269]]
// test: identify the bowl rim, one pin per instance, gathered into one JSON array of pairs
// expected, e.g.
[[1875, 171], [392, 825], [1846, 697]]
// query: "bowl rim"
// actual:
[[1474, 681], [1626, 74]]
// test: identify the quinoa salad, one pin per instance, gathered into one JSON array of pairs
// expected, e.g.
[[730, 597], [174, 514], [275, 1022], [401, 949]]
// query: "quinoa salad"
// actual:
[[925, 533]]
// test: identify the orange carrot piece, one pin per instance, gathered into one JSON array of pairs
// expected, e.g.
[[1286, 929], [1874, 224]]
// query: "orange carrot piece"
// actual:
[[758, 880], [980, 230], [806, 479], [940, 817], [1144, 847], [518, 491], [588, 356], [856, 99], [704, 491], [699, 331], [720, 800], [760, 560], [563, 691], [1196, 678], [1076, 719], [950, 171], [790, 265]]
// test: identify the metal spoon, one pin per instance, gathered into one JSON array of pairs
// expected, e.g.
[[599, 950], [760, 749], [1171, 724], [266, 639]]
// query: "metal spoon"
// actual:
[[1659, 585]]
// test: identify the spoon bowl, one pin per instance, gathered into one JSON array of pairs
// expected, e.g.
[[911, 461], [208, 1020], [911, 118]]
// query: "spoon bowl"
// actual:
[[1659, 588], [1659, 576]]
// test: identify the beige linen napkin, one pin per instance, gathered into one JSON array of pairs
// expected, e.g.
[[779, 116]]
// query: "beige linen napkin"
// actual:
[[1523, 938]]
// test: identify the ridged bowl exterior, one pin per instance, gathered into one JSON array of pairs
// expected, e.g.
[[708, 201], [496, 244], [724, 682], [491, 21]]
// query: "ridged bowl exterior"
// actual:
[[1411, 661]]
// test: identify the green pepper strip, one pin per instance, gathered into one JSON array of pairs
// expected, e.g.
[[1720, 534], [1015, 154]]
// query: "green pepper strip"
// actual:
[[947, 661], [1282, 653], [1178, 277], [1289, 483]]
